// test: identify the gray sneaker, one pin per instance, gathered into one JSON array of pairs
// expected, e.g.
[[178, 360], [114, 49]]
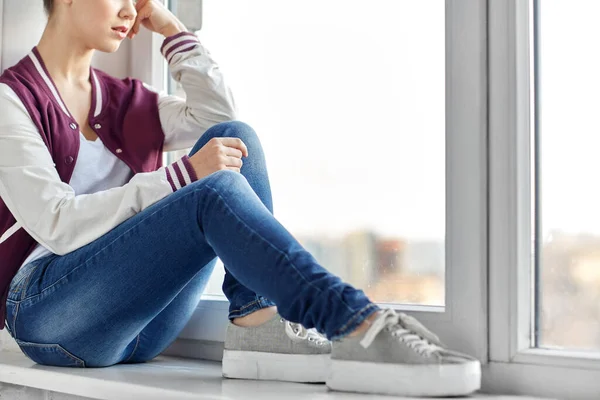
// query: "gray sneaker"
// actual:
[[399, 356], [276, 350]]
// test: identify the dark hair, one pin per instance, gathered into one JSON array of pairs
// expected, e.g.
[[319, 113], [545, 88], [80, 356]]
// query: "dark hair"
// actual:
[[48, 6]]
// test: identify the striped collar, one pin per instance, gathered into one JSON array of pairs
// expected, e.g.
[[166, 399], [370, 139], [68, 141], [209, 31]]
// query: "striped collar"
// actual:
[[97, 98]]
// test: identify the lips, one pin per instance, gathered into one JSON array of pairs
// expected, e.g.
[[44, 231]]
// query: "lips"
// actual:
[[123, 29]]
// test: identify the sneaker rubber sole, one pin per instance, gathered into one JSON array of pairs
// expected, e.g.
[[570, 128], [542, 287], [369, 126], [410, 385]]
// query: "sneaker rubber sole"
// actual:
[[421, 380], [305, 368]]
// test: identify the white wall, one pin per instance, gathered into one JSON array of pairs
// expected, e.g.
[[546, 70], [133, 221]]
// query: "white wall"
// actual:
[[23, 22]]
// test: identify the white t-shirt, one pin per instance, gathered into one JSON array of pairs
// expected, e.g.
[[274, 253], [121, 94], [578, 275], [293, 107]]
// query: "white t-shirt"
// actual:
[[96, 169]]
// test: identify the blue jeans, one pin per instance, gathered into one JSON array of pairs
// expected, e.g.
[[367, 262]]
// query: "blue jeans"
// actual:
[[125, 297]]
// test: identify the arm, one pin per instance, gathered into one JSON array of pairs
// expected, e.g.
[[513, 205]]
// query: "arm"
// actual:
[[208, 98], [48, 208]]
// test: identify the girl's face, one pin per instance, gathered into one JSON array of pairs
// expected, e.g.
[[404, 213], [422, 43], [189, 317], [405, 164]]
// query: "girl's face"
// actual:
[[101, 24]]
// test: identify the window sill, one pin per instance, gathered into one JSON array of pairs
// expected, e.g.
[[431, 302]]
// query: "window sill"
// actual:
[[164, 378]]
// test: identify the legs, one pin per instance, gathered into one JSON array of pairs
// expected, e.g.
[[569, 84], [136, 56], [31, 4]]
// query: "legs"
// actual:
[[265, 257], [244, 301], [96, 300], [163, 329], [157, 335]]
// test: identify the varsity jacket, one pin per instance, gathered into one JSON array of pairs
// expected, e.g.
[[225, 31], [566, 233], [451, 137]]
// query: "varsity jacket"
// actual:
[[39, 144]]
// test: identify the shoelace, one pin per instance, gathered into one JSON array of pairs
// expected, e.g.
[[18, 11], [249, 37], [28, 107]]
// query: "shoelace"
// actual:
[[408, 331], [298, 333]]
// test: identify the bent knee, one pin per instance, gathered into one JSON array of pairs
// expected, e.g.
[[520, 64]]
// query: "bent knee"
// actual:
[[227, 178], [236, 129], [225, 182]]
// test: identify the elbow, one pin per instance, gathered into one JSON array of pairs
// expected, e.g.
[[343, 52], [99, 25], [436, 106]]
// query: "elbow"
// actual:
[[232, 113], [60, 250], [53, 243], [233, 110], [228, 109], [53, 236], [224, 113]]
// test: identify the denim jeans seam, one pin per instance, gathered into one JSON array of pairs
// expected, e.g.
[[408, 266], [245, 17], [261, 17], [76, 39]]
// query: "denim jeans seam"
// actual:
[[134, 348], [363, 313], [23, 287], [61, 349], [261, 303], [247, 305], [25, 283], [98, 252], [281, 252], [18, 304]]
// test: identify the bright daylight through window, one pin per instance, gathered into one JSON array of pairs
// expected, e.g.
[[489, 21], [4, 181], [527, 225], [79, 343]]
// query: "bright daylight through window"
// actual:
[[349, 104], [567, 163]]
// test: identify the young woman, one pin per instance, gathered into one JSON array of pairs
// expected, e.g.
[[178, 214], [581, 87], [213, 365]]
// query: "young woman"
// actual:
[[105, 252]]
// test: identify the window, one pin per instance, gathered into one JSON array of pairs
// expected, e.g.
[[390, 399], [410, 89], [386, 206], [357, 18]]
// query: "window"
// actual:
[[568, 241], [372, 118], [543, 226], [520, 232], [365, 194], [190, 13]]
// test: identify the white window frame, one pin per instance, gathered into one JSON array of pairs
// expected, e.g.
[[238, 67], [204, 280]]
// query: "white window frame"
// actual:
[[462, 323], [515, 367], [1, 34]]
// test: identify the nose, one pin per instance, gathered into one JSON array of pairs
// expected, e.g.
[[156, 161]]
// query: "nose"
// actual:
[[128, 11]]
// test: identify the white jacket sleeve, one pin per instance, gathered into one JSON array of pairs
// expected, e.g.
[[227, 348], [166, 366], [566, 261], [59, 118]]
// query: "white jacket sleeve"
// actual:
[[209, 100], [48, 208]]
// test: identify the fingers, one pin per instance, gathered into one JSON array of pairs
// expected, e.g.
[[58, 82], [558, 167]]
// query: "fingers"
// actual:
[[230, 151], [137, 4], [136, 25], [140, 3], [236, 144], [233, 162], [144, 10]]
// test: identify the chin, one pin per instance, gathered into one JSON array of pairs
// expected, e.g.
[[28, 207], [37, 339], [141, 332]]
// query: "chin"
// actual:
[[109, 47]]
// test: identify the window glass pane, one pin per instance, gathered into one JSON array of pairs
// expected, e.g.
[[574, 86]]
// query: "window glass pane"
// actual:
[[569, 197], [348, 98]]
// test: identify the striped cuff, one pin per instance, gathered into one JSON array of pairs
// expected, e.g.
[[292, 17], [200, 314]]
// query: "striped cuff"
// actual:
[[177, 44], [181, 173]]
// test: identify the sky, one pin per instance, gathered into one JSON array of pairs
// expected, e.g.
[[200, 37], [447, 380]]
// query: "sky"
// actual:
[[569, 102], [348, 101]]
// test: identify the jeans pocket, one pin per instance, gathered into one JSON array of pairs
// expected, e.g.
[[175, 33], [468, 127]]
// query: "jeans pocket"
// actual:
[[50, 354], [10, 310], [19, 282]]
